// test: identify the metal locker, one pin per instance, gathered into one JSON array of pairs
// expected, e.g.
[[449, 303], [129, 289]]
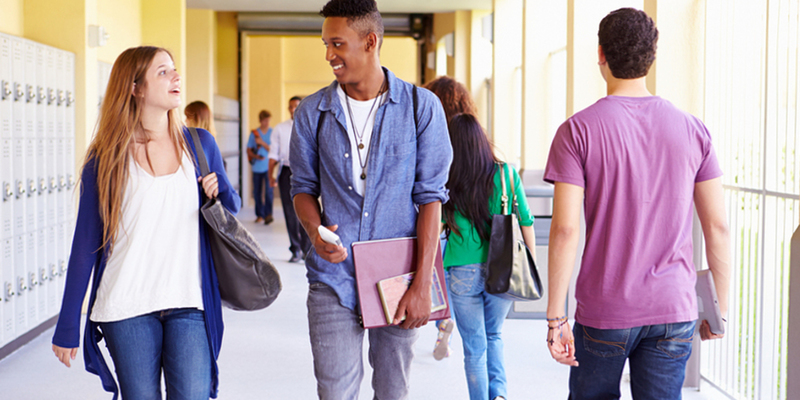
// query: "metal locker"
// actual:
[[31, 185], [46, 298], [7, 292], [18, 135], [53, 273], [41, 117], [50, 136], [32, 281], [7, 192], [20, 284], [62, 253], [6, 172]]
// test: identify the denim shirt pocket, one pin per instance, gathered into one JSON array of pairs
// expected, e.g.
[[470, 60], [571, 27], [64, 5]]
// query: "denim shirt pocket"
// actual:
[[400, 165]]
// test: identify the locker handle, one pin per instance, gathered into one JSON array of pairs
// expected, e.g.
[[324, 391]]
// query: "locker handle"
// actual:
[[70, 181], [7, 192], [31, 93], [53, 271], [63, 266], [41, 95], [31, 187], [22, 286], [51, 96], [70, 98], [62, 182], [61, 97], [34, 282], [42, 186], [9, 291], [53, 185], [5, 90], [20, 189], [18, 92], [43, 273]]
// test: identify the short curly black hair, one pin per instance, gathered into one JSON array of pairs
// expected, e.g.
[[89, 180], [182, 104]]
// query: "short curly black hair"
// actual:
[[362, 16], [628, 38]]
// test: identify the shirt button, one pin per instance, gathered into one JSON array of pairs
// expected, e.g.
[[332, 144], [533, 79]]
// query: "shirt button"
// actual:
[[349, 188], [346, 155], [366, 214]]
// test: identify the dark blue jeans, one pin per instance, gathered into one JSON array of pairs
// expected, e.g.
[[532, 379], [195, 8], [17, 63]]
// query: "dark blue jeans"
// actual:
[[263, 194], [657, 355], [174, 340]]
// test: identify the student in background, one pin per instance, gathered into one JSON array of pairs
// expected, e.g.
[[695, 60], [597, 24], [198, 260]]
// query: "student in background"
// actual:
[[258, 146], [455, 100], [198, 115], [140, 238], [475, 195]]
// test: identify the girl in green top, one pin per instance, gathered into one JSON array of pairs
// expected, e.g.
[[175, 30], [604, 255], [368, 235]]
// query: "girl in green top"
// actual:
[[475, 190]]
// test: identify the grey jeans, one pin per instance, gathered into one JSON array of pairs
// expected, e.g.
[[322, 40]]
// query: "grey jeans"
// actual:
[[336, 343]]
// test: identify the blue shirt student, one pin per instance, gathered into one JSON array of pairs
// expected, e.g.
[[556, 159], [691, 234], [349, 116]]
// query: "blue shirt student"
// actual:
[[260, 166], [408, 166]]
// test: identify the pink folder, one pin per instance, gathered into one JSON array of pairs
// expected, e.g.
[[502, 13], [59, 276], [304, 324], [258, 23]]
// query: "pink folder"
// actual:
[[376, 260]]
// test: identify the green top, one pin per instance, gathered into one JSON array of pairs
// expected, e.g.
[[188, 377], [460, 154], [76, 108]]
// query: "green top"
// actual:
[[470, 249]]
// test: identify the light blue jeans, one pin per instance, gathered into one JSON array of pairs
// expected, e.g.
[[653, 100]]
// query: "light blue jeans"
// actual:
[[479, 317], [336, 343], [174, 340]]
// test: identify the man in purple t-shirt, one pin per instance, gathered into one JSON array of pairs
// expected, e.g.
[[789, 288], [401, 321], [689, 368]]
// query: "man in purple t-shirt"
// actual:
[[638, 163]]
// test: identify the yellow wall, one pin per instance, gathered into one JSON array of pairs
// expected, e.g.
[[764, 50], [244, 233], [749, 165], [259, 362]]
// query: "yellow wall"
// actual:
[[11, 18], [164, 25], [227, 55], [122, 19], [201, 56], [443, 23], [265, 88]]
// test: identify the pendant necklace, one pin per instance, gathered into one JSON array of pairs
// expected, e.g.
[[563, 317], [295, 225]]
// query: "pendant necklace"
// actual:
[[359, 137]]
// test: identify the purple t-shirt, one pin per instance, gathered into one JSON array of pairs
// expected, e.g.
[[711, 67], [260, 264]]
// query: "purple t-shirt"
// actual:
[[638, 159]]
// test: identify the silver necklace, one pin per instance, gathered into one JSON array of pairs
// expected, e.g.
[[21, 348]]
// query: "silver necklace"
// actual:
[[359, 137]]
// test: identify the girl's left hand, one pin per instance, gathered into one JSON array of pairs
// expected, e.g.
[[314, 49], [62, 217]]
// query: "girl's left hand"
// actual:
[[210, 185]]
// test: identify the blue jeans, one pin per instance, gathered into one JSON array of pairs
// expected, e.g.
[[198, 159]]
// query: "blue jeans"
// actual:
[[263, 194], [657, 354], [336, 343], [175, 340], [479, 317]]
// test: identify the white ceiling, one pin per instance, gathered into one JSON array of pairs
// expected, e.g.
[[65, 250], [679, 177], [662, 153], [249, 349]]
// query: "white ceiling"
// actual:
[[385, 6]]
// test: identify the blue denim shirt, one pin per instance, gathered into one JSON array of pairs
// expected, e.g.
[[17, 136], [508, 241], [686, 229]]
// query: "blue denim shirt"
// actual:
[[408, 166]]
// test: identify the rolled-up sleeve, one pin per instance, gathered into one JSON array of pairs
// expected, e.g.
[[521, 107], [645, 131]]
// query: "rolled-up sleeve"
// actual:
[[304, 151], [434, 153]]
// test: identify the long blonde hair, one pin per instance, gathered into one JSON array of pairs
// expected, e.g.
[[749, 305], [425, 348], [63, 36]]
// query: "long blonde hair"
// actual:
[[112, 146]]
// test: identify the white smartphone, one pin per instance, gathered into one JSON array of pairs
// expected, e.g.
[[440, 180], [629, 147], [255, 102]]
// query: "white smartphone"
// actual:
[[329, 237]]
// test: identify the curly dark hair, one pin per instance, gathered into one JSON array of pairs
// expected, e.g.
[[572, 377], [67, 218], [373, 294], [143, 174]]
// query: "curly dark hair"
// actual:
[[454, 96], [628, 38], [362, 16]]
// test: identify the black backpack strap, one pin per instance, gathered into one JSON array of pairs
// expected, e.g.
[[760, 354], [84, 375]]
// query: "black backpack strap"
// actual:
[[416, 119], [201, 155]]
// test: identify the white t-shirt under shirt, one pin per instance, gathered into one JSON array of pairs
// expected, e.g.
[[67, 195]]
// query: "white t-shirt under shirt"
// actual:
[[155, 264], [364, 121]]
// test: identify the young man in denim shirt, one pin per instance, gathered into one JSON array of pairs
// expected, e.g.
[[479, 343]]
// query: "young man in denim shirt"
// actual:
[[637, 164], [380, 173]]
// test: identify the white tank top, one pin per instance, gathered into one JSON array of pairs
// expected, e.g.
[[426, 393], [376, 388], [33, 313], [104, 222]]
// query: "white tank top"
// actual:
[[155, 264]]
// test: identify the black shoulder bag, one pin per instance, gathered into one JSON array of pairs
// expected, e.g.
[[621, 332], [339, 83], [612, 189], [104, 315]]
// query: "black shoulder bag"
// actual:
[[247, 279]]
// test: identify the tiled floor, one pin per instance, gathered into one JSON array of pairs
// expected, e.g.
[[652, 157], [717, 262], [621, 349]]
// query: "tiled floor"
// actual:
[[266, 354]]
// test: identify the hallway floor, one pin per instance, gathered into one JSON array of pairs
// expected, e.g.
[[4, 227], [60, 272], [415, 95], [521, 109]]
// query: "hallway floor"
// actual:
[[267, 355]]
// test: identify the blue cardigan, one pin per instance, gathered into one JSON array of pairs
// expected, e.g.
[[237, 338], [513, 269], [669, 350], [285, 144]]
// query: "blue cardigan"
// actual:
[[86, 255]]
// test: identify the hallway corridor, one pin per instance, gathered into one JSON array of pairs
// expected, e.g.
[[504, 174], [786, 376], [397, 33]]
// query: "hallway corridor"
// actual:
[[266, 354]]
